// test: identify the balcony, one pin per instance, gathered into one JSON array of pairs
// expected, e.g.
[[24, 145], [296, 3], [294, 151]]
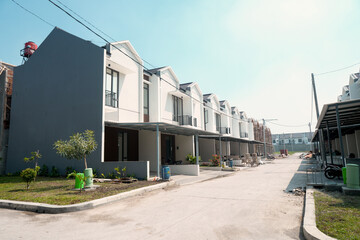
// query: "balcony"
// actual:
[[185, 120], [225, 130], [244, 135], [111, 99]]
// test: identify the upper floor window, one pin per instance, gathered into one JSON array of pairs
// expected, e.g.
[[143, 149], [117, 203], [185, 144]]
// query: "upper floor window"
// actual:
[[146, 102], [146, 77], [218, 121], [177, 109], [112, 88]]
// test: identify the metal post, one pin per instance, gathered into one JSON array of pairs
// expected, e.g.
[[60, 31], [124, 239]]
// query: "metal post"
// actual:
[[340, 136], [311, 144], [329, 142], [264, 138], [158, 150], [220, 151], [197, 149]]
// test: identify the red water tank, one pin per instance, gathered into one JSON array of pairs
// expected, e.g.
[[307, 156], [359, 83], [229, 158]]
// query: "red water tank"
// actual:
[[30, 48]]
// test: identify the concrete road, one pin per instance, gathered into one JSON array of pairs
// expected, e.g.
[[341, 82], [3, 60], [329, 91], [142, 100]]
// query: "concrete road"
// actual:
[[250, 204]]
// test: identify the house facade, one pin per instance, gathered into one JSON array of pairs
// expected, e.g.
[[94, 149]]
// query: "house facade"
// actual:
[[142, 118]]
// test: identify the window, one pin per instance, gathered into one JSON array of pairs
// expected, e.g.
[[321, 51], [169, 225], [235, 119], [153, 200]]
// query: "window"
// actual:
[[122, 144], [299, 140], [218, 121], [240, 130], [146, 77], [177, 109], [146, 102], [111, 88]]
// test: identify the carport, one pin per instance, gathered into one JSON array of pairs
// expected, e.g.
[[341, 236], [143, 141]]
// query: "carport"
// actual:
[[159, 128], [339, 121]]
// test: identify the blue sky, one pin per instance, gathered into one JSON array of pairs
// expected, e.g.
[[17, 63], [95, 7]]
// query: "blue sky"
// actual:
[[256, 54]]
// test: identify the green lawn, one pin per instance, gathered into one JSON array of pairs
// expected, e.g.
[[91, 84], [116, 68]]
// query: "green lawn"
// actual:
[[59, 190], [338, 215]]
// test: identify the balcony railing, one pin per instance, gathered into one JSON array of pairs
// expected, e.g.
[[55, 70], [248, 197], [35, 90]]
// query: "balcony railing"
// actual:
[[244, 135], [111, 99], [185, 120], [225, 130]]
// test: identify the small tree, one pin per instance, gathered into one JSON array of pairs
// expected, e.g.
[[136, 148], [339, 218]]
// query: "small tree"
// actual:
[[35, 156], [28, 175], [79, 146]]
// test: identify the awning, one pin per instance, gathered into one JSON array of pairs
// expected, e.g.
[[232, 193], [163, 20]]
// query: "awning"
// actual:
[[163, 127], [179, 94], [225, 138], [349, 115]]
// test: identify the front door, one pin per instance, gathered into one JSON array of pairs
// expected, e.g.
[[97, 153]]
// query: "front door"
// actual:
[[167, 149]]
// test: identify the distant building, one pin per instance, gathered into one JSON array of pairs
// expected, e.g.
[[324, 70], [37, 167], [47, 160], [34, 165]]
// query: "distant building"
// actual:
[[292, 141], [6, 82]]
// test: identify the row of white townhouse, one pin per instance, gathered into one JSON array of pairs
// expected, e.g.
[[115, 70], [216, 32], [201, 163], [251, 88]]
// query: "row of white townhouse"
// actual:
[[142, 119]]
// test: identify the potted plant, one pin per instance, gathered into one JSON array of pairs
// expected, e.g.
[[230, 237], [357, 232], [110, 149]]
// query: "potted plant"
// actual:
[[79, 146]]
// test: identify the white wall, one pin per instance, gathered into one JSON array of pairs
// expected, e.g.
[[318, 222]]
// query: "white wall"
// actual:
[[357, 139], [250, 126], [235, 131], [197, 107], [191, 169], [147, 148], [183, 146], [351, 144], [206, 148], [166, 105], [234, 148], [244, 148], [130, 87]]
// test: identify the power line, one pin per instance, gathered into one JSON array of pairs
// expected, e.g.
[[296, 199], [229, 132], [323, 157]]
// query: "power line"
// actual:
[[282, 125], [32, 13], [103, 38], [336, 70], [85, 20]]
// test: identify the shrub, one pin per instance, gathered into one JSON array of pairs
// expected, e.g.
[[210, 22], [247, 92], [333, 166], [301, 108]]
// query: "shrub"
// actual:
[[121, 173], [54, 172], [215, 161], [35, 156], [44, 171], [77, 147], [69, 170], [28, 175], [192, 159]]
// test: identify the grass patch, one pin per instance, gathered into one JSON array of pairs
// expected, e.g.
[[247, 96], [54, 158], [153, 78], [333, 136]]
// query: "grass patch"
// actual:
[[338, 215], [59, 191]]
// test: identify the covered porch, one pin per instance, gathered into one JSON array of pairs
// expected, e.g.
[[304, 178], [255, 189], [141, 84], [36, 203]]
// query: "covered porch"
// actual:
[[160, 144]]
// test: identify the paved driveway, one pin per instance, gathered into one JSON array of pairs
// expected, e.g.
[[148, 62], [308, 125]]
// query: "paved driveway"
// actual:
[[250, 204]]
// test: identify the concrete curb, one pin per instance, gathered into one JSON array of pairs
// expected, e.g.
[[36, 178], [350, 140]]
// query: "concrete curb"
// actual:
[[311, 232], [55, 209]]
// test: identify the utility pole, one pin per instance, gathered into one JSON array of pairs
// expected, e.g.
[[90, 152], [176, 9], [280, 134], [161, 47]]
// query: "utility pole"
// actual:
[[321, 139], [264, 121]]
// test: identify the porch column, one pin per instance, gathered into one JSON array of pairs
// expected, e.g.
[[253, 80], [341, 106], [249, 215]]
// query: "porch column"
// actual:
[[340, 136], [158, 150], [329, 142], [239, 149], [220, 153], [197, 148]]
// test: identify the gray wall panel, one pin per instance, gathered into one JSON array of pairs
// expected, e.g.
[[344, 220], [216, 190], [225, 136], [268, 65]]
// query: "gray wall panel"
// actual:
[[58, 92]]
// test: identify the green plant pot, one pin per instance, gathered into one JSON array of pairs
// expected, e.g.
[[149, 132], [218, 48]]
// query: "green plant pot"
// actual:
[[88, 177], [79, 182]]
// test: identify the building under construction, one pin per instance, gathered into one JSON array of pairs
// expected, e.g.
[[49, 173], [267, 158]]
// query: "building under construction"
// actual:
[[6, 83]]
